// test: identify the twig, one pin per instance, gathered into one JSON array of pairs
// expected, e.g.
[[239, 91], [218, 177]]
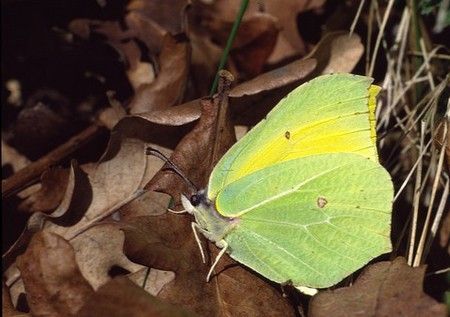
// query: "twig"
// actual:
[[32, 172]]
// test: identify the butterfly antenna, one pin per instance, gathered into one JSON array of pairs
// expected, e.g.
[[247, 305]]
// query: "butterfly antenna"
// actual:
[[158, 154]]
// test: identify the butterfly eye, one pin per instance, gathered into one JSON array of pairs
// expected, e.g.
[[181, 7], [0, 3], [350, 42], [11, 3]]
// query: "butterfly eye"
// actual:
[[195, 200]]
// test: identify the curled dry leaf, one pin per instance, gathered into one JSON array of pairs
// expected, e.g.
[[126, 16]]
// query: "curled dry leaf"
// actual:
[[116, 178], [75, 197], [148, 31], [121, 297], [288, 44], [138, 71], [162, 91], [199, 150], [170, 15], [254, 41], [8, 309], [174, 116], [50, 194], [260, 33], [277, 78], [97, 194], [337, 52], [54, 284], [168, 87], [250, 101], [382, 289]]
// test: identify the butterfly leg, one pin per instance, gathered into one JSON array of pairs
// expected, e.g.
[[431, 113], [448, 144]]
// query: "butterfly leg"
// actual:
[[221, 244], [196, 227]]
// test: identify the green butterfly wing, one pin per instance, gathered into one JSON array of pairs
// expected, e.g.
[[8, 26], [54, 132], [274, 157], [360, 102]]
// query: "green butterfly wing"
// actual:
[[329, 114], [312, 220]]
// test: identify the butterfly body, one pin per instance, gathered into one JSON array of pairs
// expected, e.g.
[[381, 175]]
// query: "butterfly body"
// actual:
[[302, 197]]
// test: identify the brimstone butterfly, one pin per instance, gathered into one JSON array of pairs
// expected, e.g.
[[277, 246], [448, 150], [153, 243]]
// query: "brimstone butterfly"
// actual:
[[302, 198]]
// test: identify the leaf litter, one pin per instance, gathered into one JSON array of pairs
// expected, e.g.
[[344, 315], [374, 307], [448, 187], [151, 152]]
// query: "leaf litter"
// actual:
[[99, 239]]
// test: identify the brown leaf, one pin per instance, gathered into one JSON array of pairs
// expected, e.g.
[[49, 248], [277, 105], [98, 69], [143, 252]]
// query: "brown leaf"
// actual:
[[198, 151], [122, 41], [93, 196], [166, 242], [168, 14], [251, 102], [174, 116], [147, 30], [54, 284], [116, 178], [261, 32], [382, 289], [121, 297], [8, 309], [277, 78], [337, 52], [289, 42], [76, 200], [148, 204], [98, 251], [49, 196], [254, 41], [168, 88], [241, 292]]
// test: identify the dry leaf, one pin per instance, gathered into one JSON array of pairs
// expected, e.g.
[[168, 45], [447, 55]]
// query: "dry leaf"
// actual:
[[98, 251], [382, 289], [170, 15], [337, 52], [120, 297], [277, 78], [286, 11], [254, 41], [13, 158], [166, 242], [289, 43], [8, 309], [168, 88], [198, 151], [54, 284], [50, 194]]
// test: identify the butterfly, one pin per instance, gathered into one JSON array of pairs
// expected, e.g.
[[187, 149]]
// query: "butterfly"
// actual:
[[302, 197]]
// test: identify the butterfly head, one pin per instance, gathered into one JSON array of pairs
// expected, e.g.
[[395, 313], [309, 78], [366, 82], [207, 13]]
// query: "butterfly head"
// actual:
[[206, 216]]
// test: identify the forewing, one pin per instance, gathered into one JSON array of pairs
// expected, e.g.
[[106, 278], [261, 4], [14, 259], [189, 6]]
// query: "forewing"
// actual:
[[329, 114], [312, 220]]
